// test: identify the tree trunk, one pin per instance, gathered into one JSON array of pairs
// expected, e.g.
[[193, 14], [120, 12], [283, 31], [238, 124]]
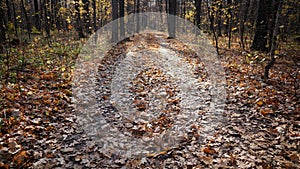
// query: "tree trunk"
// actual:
[[172, 19], [47, 18], [274, 43], [86, 16], [37, 15], [244, 11], [26, 19], [14, 18], [115, 25], [78, 20], [137, 4], [122, 12], [261, 32], [219, 17], [198, 12], [211, 18], [2, 28], [8, 11], [229, 19], [94, 15]]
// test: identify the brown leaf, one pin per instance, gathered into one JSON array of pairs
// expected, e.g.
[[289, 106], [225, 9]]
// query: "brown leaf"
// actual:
[[209, 150], [20, 158], [3, 166]]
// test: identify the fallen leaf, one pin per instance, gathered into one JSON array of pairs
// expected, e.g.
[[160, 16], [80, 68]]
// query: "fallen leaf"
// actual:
[[209, 150]]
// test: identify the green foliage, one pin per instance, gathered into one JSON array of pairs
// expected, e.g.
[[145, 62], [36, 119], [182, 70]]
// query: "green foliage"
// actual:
[[10, 27], [34, 30]]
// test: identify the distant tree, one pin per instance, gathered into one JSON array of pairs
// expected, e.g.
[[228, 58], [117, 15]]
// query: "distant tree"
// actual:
[[172, 19], [94, 15], [37, 19], [273, 41], [261, 31], [46, 17], [198, 12], [122, 12], [137, 10], [210, 14], [86, 16], [115, 24], [26, 18], [2, 28], [229, 16], [243, 19], [78, 20]]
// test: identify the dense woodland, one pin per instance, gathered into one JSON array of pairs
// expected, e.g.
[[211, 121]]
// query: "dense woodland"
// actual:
[[257, 42], [257, 25]]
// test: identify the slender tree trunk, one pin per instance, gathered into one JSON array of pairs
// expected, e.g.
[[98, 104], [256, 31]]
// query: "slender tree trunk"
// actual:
[[78, 20], [47, 18], [172, 19], [229, 19], [26, 19], [122, 12], [115, 24], [86, 16], [8, 10], [274, 43], [37, 15], [272, 21], [219, 18], [184, 10], [261, 31], [2, 28], [137, 4], [14, 18], [244, 11], [94, 15], [210, 16], [198, 12]]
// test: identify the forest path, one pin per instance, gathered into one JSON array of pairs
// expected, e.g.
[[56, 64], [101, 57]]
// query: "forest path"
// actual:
[[157, 96]]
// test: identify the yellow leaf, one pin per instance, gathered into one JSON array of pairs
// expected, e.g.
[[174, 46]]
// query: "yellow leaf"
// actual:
[[260, 103], [233, 29]]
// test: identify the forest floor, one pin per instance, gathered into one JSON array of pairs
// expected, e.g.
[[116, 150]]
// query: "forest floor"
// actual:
[[39, 127]]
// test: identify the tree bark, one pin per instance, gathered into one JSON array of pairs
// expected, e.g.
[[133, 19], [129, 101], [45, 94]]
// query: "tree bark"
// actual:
[[261, 32], [8, 10], [244, 11], [273, 43], [115, 25], [26, 19], [94, 15], [211, 18], [229, 19], [198, 12], [172, 19], [2, 28], [122, 12], [86, 16], [137, 4], [78, 20], [37, 15]]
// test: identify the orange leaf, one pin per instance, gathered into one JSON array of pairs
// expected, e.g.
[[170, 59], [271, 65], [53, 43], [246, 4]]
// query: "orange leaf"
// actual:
[[209, 150], [4, 166], [20, 158], [260, 103], [264, 112]]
